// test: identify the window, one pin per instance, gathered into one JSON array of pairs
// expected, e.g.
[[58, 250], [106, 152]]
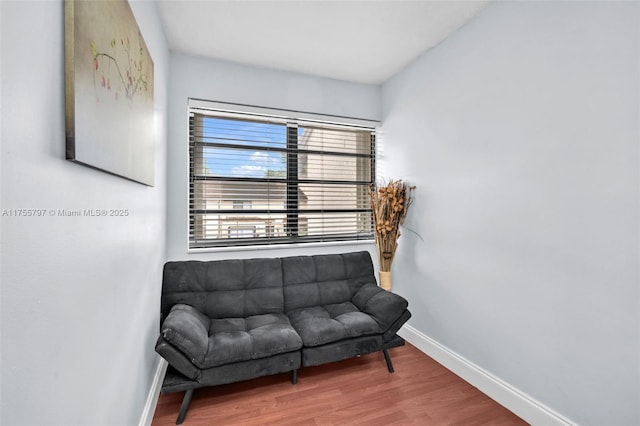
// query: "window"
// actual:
[[277, 178]]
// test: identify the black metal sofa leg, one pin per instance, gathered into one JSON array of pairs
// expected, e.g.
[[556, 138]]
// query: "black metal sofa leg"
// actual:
[[387, 358], [294, 377], [185, 406]]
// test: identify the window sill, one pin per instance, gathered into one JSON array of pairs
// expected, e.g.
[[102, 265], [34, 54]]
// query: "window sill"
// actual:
[[282, 247]]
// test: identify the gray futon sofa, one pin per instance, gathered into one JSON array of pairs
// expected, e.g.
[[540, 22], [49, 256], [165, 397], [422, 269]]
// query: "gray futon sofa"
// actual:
[[229, 320]]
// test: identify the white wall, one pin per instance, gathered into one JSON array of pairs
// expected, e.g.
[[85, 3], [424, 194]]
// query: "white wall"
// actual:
[[80, 295], [196, 77], [521, 134]]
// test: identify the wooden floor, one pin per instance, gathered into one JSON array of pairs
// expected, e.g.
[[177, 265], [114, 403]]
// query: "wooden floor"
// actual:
[[352, 392]]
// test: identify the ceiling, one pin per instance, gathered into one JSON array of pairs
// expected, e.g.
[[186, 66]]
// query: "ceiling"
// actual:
[[359, 41]]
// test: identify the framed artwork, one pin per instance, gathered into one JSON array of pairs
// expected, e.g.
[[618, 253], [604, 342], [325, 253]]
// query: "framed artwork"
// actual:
[[109, 90]]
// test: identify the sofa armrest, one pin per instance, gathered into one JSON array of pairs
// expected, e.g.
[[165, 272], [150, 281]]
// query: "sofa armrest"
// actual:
[[385, 307], [188, 330], [177, 359]]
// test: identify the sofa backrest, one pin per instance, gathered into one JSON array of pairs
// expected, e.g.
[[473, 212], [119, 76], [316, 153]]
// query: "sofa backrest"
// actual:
[[239, 288], [235, 288], [324, 279]]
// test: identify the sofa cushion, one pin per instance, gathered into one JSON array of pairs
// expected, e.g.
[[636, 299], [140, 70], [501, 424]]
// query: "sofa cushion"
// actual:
[[236, 288], [212, 342], [318, 325], [324, 279], [240, 339]]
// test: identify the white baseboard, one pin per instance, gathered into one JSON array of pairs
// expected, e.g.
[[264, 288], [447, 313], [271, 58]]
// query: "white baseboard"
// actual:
[[527, 408], [154, 393]]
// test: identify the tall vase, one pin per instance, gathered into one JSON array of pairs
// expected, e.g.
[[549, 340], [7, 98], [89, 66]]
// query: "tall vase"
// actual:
[[385, 280]]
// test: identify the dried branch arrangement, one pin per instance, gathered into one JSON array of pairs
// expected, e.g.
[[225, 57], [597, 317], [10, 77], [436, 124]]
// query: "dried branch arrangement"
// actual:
[[390, 204]]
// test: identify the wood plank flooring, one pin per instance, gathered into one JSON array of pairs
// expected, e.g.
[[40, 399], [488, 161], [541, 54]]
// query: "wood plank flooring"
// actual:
[[358, 391]]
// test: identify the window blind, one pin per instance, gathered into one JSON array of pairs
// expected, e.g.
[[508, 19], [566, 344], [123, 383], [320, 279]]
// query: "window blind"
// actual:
[[258, 179]]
